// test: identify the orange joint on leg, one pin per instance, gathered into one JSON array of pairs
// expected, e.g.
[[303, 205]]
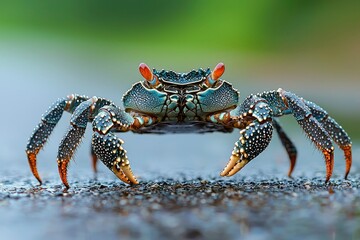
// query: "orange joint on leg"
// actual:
[[69, 101], [223, 118], [136, 124], [146, 120], [281, 92]]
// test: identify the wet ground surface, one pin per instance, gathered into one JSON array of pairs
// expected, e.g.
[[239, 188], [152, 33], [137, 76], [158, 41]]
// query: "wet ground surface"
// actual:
[[251, 207], [180, 195]]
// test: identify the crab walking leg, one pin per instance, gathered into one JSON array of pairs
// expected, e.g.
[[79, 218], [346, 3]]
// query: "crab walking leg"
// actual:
[[107, 147], [336, 132], [83, 114], [314, 130], [322, 141], [73, 137], [289, 146], [46, 126]]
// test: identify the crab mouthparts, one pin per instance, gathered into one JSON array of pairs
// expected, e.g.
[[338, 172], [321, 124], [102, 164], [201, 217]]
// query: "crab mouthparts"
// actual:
[[235, 164]]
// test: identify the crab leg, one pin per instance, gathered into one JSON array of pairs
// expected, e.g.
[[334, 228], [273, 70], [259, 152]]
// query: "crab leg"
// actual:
[[236, 163], [289, 146], [73, 137], [322, 141], [46, 126], [82, 115], [108, 147], [314, 129], [336, 132], [36, 142], [253, 140], [255, 135], [94, 159], [257, 110], [67, 148]]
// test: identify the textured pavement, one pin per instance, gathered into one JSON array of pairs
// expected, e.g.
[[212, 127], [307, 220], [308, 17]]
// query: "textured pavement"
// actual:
[[251, 207]]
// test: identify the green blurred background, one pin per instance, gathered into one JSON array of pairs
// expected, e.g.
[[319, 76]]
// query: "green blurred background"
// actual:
[[309, 47], [241, 26]]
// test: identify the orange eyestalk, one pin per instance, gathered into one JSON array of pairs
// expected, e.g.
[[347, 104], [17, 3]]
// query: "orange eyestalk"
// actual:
[[218, 71], [215, 74], [148, 75], [146, 72]]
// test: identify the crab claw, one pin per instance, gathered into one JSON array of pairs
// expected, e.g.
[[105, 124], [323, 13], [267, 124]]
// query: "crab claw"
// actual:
[[124, 173], [235, 164]]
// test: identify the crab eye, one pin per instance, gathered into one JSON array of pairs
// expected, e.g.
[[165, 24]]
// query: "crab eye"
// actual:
[[218, 71], [215, 75], [146, 72]]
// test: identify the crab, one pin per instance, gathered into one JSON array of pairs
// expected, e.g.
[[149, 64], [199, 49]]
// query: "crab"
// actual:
[[195, 102]]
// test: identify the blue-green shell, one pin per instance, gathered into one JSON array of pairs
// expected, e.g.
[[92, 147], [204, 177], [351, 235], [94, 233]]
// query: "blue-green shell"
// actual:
[[172, 77], [217, 99], [144, 100], [181, 102]]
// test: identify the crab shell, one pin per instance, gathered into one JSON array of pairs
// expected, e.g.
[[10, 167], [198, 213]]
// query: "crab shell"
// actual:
[[181, 101]]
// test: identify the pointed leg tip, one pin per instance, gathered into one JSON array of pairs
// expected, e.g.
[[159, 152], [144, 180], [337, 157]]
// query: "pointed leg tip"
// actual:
[[291, 170], [36, 175], [348, 159], [32, 162], [66, 184], [94, 163], [40, 181], [329, 161], [62, 167], [346, 175], [327, 180]]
